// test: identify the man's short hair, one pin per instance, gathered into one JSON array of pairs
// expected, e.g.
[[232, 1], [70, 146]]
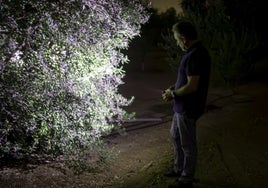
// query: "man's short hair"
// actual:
[[185, 29]]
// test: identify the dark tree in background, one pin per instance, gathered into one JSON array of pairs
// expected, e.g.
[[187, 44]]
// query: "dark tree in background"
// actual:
[[252, 13], [230, 37], [151, 36], [234, 31]]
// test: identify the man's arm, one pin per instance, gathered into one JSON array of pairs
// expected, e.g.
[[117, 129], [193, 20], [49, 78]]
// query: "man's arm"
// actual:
[[190, 87]]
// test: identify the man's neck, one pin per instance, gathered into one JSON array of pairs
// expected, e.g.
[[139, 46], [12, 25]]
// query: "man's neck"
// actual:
[[191, 43]]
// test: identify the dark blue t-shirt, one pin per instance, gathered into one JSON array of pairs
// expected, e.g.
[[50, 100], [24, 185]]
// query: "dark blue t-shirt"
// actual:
[[195, 62]]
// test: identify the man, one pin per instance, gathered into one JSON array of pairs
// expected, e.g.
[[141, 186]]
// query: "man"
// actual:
[[189, 95]]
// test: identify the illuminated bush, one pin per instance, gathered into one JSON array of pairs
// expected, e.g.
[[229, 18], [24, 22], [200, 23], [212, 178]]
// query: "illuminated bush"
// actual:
[[60, 68]]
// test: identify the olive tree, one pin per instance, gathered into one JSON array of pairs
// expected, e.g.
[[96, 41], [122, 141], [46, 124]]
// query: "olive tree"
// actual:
[[60, 69]]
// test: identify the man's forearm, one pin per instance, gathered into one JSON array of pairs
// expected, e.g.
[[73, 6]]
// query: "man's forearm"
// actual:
[[184, 90], [190, 87]]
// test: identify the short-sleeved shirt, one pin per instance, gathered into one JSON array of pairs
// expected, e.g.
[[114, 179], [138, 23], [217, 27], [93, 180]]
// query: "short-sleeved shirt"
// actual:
[[195, 62]]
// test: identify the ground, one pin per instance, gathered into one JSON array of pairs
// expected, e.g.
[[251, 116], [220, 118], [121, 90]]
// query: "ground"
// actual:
[[231, 141]]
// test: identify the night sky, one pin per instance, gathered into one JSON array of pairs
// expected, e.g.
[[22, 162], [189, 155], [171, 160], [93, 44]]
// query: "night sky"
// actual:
[[163, 5]]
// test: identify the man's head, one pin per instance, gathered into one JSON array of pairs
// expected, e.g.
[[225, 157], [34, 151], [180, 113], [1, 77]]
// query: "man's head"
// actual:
[[184, 33]]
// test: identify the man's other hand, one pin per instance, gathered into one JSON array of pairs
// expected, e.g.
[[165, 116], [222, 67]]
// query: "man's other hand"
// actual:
[[167, 95]]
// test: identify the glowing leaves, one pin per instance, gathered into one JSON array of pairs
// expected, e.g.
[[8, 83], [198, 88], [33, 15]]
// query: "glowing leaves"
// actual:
[[71, 69]]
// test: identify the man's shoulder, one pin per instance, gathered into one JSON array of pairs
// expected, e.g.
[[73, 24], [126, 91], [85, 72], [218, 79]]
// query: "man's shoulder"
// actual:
[[200, 52]]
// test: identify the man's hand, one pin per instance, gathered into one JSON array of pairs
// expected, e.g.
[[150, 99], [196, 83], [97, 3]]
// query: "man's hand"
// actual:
[[167, 95]]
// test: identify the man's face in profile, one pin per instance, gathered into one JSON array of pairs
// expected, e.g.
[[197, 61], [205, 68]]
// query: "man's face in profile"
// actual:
[[180, 41]]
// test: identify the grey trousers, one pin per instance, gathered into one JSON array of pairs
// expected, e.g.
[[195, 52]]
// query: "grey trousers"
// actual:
[[183, 135]]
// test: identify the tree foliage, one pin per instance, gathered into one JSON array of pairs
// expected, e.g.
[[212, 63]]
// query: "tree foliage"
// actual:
[[60, 68], [228, 39], [151, 35]]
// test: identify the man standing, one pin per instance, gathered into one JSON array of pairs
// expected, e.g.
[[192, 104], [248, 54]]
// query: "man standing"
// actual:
[[189, 95]]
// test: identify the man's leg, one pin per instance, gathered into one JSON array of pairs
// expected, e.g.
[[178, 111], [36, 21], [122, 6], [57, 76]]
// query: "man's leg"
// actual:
[[176, 141], [187, 130]]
